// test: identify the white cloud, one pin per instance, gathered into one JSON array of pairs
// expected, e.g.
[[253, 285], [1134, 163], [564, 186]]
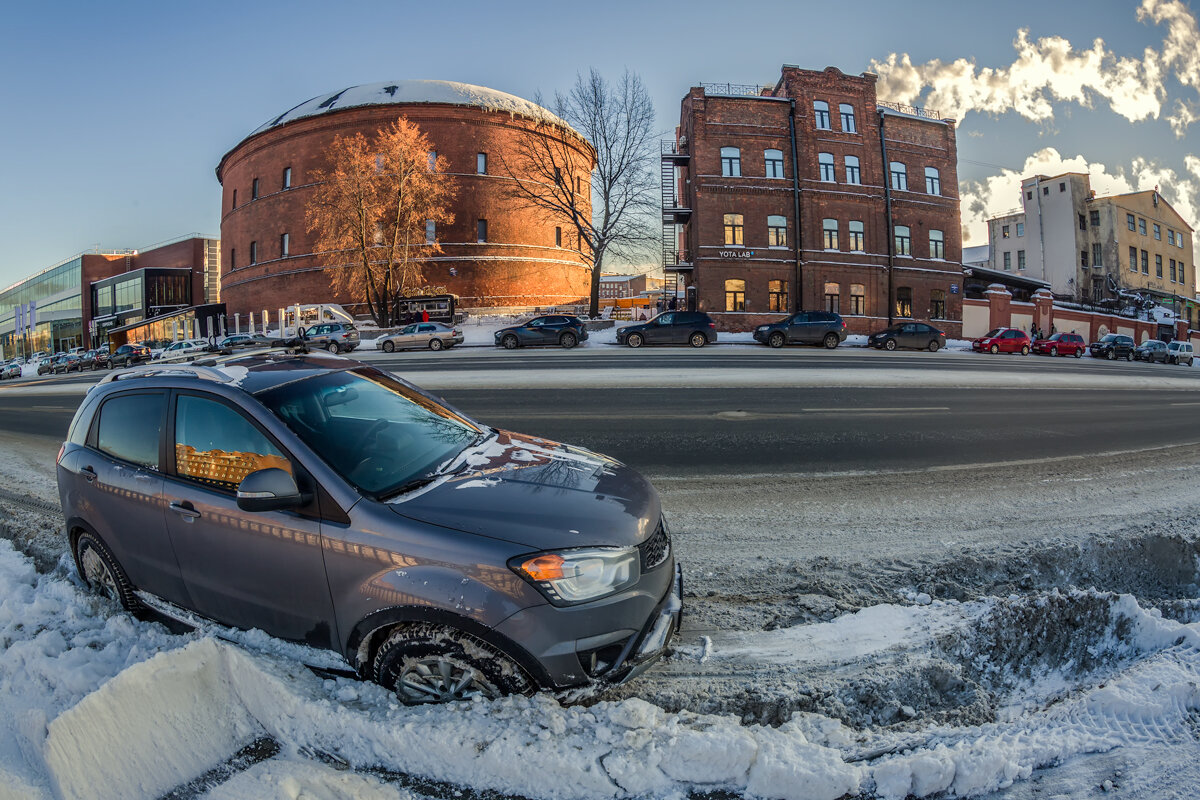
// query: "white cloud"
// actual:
[[999, 194]]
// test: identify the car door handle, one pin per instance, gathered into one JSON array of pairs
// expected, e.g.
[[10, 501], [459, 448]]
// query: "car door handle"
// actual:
[[185, 510], [88, 474]]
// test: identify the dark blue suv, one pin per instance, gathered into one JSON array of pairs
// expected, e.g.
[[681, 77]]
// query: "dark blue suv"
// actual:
[[805, 327], [552, 329]]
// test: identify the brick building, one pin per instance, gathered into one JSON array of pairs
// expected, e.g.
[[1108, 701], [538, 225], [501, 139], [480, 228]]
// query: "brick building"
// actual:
[[494, 253], [868, 226]]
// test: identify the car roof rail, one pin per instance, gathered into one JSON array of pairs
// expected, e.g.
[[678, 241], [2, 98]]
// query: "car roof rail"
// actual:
[[154, 370]]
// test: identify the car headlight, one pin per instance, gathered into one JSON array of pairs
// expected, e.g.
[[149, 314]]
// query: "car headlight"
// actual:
[[567, 577], [762, 328]]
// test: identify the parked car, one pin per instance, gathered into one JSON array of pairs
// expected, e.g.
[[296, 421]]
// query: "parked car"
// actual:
[[11, 370], [563, 330], [1002, 340], [419, 335], [1152, 350], [908, 334], [330, 503], [671, 327], [1061, 344], [183, 350], [127, 355], [46, 365], [805, 327], [1112, 346], [88, 360], [336, 337], [68, 362], [245, 340], [1180, 352]]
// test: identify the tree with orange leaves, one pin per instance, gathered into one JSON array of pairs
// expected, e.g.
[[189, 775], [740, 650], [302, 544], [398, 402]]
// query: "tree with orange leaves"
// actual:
[[370, 210]]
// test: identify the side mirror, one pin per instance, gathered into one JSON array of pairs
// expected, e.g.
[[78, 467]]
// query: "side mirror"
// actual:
[[271, 489]]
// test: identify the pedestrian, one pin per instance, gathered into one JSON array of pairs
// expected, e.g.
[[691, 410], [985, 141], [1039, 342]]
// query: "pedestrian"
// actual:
[[424, 315], [659, 305], [673, 303]]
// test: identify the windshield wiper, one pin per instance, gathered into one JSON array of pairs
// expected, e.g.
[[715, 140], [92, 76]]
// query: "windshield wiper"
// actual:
[[408, 486]]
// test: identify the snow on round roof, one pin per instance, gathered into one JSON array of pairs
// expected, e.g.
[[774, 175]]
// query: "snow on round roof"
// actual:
[[401, 92]]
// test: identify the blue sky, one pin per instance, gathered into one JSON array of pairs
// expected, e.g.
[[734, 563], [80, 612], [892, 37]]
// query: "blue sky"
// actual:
[[117, 113]]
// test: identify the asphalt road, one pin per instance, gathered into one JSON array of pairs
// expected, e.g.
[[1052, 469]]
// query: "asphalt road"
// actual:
[[777, 431]]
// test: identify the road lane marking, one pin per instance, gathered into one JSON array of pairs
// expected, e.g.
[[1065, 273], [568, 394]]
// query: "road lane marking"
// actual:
[[874, 410]]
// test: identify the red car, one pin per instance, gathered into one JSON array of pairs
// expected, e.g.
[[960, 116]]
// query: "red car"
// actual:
[[1002, 340], [1062, 344]]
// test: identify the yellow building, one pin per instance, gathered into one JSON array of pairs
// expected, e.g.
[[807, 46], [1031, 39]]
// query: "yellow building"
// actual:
[[1154, 244]]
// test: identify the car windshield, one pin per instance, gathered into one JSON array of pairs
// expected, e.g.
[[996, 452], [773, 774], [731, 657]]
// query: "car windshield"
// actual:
[[993, 333], [1112, 337], [380, 435]]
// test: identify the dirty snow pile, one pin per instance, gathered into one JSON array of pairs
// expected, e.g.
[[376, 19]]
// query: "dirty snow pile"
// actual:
[[96, 704]]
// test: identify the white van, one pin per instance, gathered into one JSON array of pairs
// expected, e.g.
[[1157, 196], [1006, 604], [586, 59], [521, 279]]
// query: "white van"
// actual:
[[1180, 353]]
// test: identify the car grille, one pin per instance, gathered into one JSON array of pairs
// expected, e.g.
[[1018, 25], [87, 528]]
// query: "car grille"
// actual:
[[656, 549]]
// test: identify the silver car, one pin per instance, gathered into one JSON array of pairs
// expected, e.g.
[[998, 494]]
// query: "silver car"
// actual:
[[1180, 353], [420, 335]]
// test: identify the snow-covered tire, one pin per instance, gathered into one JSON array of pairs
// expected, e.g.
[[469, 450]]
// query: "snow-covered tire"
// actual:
[[1054, 352], [1112, 355], [1078, 353], [1129, 356], [101, 571], [426, 663], [389, 347]]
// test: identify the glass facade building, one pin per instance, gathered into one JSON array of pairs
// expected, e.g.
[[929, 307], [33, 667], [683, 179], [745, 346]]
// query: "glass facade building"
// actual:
[[57, 291], [134, 296]]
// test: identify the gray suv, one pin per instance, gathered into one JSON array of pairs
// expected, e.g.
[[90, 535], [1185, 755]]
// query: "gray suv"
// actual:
[[336, 337], [329, 503]]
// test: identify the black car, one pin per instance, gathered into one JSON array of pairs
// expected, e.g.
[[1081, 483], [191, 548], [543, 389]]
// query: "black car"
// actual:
[[1152, 350], [908, 334], [806, 327], [551, 329], [127, 355], [1113, 346], [671, 327]]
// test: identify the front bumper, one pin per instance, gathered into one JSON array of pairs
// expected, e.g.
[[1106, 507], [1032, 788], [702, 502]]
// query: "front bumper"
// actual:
[[647, 648]]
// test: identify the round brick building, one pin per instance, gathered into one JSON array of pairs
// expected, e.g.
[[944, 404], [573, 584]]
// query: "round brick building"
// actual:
[[495, 253]]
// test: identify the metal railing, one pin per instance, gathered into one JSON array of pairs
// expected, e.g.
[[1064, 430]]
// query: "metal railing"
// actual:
[[916, 111], [671, 148], [734, 89], [672, 258]]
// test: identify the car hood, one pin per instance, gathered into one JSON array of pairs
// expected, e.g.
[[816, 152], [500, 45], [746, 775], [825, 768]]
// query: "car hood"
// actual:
[[538, 493]]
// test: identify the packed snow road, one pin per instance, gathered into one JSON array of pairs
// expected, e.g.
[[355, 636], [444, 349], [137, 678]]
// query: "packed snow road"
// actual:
[[1017, 627]]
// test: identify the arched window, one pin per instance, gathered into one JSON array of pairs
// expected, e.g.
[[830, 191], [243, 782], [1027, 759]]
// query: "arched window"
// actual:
[[829, 229], [825, 162], [833, 298], [733, 229], [856, 236], [858, 298], [903, 241], [933, 181], [735, 295], [847, 113], [904, 301], [777, 295], [853, 174], [937, 245], [776, 231], [937, 304], [774, 163], [899, 176], [731, 162], [821, 115]]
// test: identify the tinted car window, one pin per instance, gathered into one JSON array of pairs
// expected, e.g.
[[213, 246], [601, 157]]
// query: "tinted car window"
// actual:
[[669, 319], [129, 428], [217, 446]]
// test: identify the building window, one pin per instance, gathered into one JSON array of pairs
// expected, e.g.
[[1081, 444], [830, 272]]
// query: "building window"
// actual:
[[1172, 272], [829, 229], [856, 236], [1133, 259], [430, 231], [1029, 195], [254, 189], [833, 298], [1008, 261], [1141, 226], [232, 258], [1005, 231], [254, 252], [937, 304], [284, 251], [1020, 229], [821, 114], [847, 113], [853, 174], [578, 185], [903, 241], [233, 204], [937, 245], [1157, 232], [287, 177], [899, 176], [933, 181], [904, 301], [776, 231], [1046, 190], [1083, 259], [481, 231], [1094, 218], [858, 299], [731, 162], [558, 237], [1082, 222], [1129, 220], [1145, 263], [735, 295], [825, 162], [1158, 266], [1097, 255], [1062, 187], [733, 230], [433, 160], [1181, 280], [777, 295], [1170, 236], [481, 163], [774, 163], [1020, 260]]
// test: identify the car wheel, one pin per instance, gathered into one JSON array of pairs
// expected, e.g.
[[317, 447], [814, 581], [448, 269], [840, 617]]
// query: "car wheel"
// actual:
[[831, 341], [1024, 349], [635, 340], [509, 342], [568, 340], [389, 347], [776, 339], [697, 339], [333, 347], [101, 572], [1129, 356], [994, 349], [434, 664], [934, 345], [1112, 355], [890, 344], [436, 344], [1078, 352], [1054, 351]]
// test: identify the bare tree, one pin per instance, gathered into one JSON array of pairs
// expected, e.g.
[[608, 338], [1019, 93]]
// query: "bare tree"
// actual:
[[609, 207], [372, 205]]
